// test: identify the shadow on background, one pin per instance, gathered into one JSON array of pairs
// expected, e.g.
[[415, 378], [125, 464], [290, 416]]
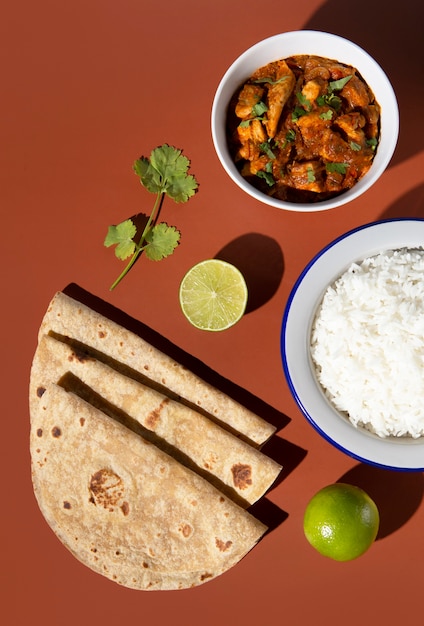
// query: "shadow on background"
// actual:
[[260, 260], [411, 204], [396, 494], [393, 36], [268, 513], [286, 453]]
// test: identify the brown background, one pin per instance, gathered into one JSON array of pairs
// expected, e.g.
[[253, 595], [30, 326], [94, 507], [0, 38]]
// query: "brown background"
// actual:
[[87, 87]]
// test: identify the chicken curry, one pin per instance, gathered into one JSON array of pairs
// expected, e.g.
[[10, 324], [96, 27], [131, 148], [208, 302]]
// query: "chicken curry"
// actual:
[[303, 129]]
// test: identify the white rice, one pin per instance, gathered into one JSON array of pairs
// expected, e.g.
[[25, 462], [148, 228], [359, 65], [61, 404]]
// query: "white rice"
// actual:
[[367, 343]]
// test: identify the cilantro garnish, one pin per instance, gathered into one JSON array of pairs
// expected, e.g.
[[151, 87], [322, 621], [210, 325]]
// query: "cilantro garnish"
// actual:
[[337, 85], [266, 174], [355, 146], [290, 137], [267, 79], [327, 115], [266, 149], [307, 104], [372, 143], [310, 174], [164, 174], [297, 112], [340, 168], [258, 110], [330, 98]]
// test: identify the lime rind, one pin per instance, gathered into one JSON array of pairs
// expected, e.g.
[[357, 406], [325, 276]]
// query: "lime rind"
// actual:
[[341, 522]]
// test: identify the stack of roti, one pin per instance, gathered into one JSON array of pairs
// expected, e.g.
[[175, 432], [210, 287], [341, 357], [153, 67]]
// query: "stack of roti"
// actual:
[[135, 481]]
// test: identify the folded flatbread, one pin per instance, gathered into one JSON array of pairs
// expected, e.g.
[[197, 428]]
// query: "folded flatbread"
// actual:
[[239, 470], [69, 318], [125, 508]]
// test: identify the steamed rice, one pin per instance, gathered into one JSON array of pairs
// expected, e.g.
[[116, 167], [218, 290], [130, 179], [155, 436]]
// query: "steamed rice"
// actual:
[[367, 343]]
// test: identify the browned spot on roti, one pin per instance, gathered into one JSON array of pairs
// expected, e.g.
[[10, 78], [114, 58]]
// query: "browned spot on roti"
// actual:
[[66, 504], [107, 490], [186, 530], [223, 546], [40, 391], [125, 508], [210, 462], [205, 576], [39, 432], [154, 416], [242, 475], [56, 432], [82, 421]]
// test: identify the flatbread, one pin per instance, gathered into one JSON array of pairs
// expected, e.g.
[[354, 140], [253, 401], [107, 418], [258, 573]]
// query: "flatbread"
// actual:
[[125, 508], [240, 471], [69, 318]]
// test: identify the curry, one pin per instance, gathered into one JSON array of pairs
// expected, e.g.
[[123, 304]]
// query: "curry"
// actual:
[[303, 129]]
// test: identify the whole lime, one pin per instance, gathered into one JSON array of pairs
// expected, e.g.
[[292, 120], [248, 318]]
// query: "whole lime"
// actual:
[[341, 521]]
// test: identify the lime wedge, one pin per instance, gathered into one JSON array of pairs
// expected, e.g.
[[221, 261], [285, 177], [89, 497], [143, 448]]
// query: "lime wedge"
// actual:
[[213, 295]]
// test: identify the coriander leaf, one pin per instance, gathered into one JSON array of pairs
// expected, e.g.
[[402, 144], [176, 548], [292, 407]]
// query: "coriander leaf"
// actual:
[[310, 174], [169, 161], [336, 85], [297, 112], [340, 168], [259, 108], [180, 189], [150, 178], [304, 101], [266, 148], [290, 137], [333, 101], [327, 115], [372, 143], [268, 79], [122, 236], [267, 176], [161, 241], [355, 146]]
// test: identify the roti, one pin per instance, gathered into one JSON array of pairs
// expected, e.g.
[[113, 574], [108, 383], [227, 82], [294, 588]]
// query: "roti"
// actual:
[[66, 317], [125, 508], [240, 471]]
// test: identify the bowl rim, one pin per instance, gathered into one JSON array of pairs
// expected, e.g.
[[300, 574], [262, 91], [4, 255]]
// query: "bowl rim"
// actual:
[[296, 325], [301, 40]]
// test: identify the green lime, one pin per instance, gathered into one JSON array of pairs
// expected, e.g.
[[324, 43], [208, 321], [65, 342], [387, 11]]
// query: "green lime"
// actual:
[[213, 295], [341, 521]]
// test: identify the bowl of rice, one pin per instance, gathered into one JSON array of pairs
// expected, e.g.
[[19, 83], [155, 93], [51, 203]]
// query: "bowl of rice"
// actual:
[[305, 121], [352, 343]]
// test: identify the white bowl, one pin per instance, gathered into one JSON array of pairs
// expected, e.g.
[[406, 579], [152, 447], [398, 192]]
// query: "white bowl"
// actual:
[[324, 269], [315, 43]]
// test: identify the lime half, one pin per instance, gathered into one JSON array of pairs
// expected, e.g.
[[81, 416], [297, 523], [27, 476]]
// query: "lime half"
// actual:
[[213, 295]]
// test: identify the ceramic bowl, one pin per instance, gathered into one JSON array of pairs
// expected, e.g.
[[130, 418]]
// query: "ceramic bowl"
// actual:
[[313, 43], [399, 453]]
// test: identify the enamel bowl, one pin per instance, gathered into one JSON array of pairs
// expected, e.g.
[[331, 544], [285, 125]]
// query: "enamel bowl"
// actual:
[[320, 44], [398, 453]]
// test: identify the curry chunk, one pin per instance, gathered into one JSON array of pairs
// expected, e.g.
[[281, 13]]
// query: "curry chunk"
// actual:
[[249, 97]]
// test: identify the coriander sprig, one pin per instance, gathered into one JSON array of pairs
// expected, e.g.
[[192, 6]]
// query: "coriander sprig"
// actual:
[[164, 174]]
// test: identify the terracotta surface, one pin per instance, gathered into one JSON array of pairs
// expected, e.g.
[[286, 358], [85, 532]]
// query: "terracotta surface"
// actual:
[[87, 87]]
